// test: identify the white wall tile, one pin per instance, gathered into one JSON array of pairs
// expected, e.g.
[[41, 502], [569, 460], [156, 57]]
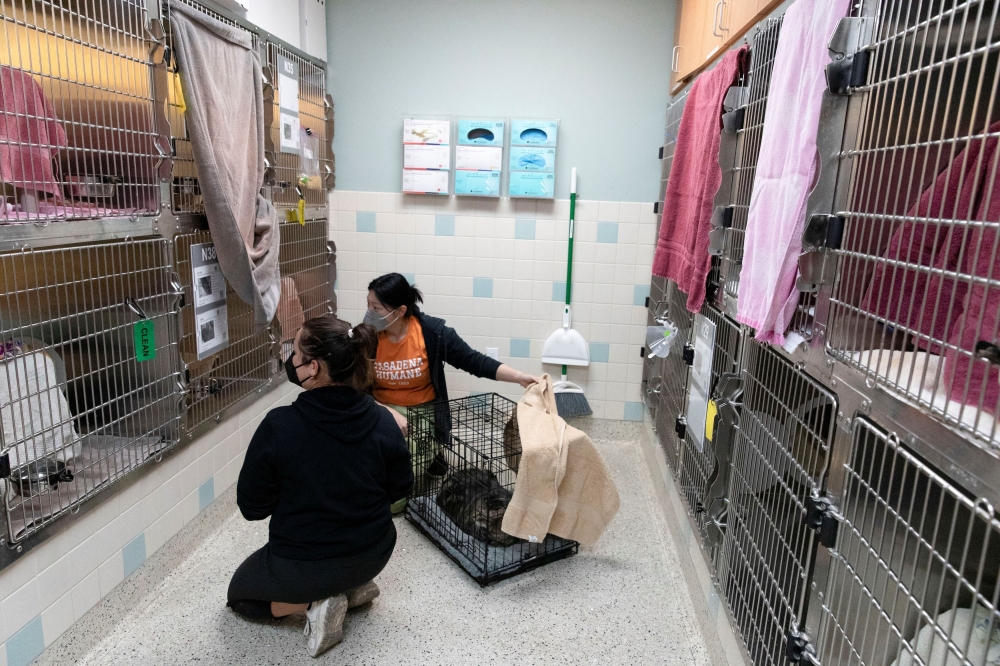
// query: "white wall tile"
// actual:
[[19, 608], [608, 211], [86, 594], [111, 572], [346, 200], [58, 617]]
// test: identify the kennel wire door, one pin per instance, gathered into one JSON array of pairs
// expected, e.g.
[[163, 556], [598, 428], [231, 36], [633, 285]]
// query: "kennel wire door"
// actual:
[[670, 421], [76, 121], [316, 115], [914, 306], [698, 461], [88, 370], [913, 576], [478, 437], [304, 259], [673, 124], [185, 190], [246, 366], [779, 464], [652, 367], [750, 128]]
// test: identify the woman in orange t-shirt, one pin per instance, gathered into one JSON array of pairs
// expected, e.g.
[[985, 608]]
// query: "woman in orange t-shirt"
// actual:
[[412, 350]]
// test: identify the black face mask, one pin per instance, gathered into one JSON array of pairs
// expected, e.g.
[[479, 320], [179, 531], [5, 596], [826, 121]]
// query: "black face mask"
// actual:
[[290, 369]]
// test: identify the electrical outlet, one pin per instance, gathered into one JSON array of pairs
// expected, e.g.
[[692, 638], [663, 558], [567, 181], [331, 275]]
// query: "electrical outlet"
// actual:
[[493, 352]]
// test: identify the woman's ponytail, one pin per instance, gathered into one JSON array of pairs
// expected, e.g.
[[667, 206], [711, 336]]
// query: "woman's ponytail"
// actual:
[[364, 344], [348, 353]]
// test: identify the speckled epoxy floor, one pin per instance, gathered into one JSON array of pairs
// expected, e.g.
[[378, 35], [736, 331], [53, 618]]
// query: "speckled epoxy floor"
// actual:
[[622, 602]]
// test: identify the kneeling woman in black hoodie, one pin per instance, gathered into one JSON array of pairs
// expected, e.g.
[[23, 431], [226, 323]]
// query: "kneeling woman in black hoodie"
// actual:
[[325, 469]]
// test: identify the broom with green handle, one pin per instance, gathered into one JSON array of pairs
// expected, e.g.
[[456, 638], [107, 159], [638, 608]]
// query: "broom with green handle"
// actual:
[[566, 347]]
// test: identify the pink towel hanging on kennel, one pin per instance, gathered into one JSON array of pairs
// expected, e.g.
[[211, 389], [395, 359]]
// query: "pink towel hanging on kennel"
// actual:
[[695, 176], [786, 168], [30, 133]]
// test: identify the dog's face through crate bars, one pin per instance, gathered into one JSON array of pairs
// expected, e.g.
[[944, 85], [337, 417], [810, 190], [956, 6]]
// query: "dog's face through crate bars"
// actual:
[[247, 365], [88, 374], [76, 111], [914, 574], [185, 189], [304, 261], [478, 439], [779, 463], [916, 304], [287, 187], [698, 462]]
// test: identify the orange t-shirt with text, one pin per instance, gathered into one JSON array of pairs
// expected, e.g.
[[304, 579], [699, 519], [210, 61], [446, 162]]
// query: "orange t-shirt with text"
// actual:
[[402, 376]]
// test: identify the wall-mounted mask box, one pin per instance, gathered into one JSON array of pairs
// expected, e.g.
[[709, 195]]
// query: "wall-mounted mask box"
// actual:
[[478, 183], [480, 132], [525, 132], [532, 158], [532, 184]]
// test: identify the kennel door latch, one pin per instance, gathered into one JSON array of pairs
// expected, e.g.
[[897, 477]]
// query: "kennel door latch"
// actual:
[[798, 649], [817, 263], [680, 426], [822, 518], [688, 354], [4, 466]]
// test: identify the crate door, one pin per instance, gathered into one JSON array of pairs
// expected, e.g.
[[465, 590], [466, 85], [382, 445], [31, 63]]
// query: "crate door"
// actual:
[[779, 463], [914, 572]]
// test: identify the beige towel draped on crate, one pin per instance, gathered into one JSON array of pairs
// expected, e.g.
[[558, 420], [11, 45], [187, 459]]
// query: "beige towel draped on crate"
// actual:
[[563, 485]]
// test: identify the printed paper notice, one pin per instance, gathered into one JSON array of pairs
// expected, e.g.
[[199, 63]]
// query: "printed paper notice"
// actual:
[[211, 318], [288, 105], [701, 379], [290, 133], [479, 158], [425, 182], [426, 131], [423, 156]]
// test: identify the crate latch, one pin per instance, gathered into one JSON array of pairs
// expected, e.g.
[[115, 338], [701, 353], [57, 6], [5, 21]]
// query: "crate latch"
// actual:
[[680, 426], [798, 649], [822, 518], [818, 263], [722, 219], [849, 47], [4, 466], [688, 354], [988, 351], [850, 72], [732, 122]]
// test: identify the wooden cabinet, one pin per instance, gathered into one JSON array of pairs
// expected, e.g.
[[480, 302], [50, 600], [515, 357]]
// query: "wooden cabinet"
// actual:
[[706, 28]]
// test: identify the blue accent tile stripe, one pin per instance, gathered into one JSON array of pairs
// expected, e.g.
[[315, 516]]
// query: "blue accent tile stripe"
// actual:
[[607, 232], [366, 222], [482, 287], [559, 291], [206, 493], [134, 553], [634, 411], [639, 294], [520, 348], [599, 352], [524, 229], [25, 645], [444, 225]]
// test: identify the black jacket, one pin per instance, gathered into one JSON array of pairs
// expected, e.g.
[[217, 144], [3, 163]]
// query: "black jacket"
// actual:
[[325, 469], [445, 346]]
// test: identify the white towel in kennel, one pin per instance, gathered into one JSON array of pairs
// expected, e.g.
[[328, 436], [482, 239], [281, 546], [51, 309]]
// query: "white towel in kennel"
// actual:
[[36, 417]]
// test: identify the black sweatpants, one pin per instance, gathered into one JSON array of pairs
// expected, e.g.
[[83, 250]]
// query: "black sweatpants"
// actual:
[[264, 577]]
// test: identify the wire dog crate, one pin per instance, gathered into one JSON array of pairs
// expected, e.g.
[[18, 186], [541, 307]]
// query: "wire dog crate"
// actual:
[[88, 373], [699, 459], [915, 304], [462, 511], [221, 380], [779, 463], [76, 118], [749, 124], [185, 190], [316, 116], [914, 573]]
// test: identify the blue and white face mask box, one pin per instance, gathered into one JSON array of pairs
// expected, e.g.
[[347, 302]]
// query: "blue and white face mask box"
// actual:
[[532, 184], [532, 158], [534, 132], [481, 183], [480, 132]]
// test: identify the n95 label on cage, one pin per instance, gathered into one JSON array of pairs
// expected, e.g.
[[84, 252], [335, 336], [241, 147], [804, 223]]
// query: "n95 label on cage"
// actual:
[[211, 311], [144, 333]]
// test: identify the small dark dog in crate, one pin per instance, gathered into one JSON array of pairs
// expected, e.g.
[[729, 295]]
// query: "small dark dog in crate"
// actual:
[[476, 501]]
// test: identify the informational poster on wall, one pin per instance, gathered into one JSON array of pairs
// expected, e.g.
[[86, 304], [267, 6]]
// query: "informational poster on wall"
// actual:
[[479, 156], [701, 379], [288, 105], [426, 155], [533, 158], [211, 314]]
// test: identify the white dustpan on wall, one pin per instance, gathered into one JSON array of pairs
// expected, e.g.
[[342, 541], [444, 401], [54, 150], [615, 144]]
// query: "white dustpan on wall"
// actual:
[[566, 346]]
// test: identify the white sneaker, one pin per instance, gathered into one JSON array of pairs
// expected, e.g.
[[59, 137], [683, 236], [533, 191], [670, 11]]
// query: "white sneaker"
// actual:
[[325, 624], [360, 596]]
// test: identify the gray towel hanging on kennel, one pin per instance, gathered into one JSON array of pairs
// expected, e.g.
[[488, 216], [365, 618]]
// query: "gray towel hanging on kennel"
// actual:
[[223, 90]]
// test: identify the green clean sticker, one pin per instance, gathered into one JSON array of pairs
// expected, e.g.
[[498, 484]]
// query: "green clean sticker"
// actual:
[[145, 340]]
